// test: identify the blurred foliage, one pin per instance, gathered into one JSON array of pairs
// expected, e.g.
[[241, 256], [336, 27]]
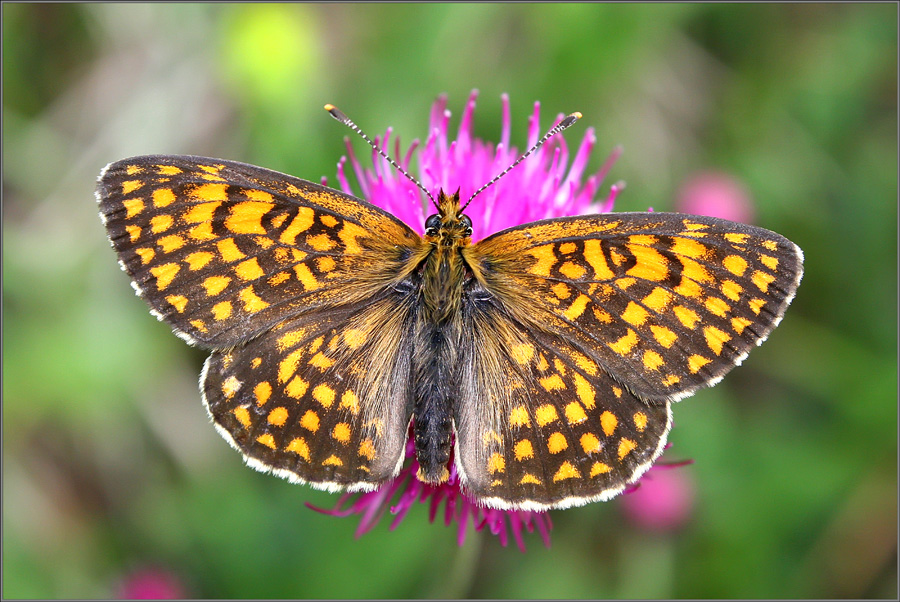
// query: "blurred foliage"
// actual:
[[110, 464]]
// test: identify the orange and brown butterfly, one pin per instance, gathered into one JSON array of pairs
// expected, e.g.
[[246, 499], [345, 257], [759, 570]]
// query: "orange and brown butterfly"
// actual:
[[541, 361]]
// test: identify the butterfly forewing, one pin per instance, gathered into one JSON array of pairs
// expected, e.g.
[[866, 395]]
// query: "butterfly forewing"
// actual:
[[223, 251]]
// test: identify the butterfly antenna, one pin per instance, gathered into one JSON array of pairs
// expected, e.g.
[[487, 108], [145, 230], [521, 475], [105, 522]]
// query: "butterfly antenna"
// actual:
[[565, 123], [340, 116]]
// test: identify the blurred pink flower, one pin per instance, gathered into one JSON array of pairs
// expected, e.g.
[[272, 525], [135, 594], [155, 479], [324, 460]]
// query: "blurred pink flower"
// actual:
[[663, 501], [716, 194], [149, 583]]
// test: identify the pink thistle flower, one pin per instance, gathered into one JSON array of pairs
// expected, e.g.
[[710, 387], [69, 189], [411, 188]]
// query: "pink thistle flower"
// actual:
[[663, 502], [544, 186], [716, 194], [151, 583]]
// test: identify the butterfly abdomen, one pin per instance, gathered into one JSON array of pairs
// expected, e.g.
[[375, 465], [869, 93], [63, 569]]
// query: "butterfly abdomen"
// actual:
[[432, 409]]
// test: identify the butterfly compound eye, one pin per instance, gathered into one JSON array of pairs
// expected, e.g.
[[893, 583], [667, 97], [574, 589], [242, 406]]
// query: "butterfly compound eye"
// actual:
[[432, 224], [467, 222]]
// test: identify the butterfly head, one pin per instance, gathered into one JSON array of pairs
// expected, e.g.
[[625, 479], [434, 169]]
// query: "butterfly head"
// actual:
[[449, 224]]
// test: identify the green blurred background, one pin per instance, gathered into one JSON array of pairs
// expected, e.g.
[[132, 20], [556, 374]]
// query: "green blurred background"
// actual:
[[110, 466]]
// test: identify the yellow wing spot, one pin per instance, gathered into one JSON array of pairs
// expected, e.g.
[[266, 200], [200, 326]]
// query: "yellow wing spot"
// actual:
[[545, 260], [170, 243], [734, 237], [129, 186], [617, 392], [634, 314], [252, 302], [671, 380], [316, 344], [739, 324], [522, 353], [249, 270], [348, 235], [242, 415], [163, 197], [566, 471], [524, 450], [731, 289], [301, 223], [299, 447], [583, 363], [199, 325], [215, 285], [210, 192], [354, 338], [262, 391], [320, 361], [589, 443], [324, 395], [132, 170], [762, 280], [202, 232], [133, 207], [179, 302], [341, 433], [278, 416], [735, 264], [222, 311], [650, 264], [617, 258], [689, 247], [350, 401], [529, 479], [688, 288], [496, 463], [593, 254], [199, 260], [652, 360], [296, 388], [332, 460], [625, 344], [756, 305], [658, 299], [491, 437], [608, 423], [518, 416], [279, 278], [146, 254], [602, 315], [561, 290], [164, 274], [557, 443], [263, 241], [717, 306], [310, 421], [577, 308], [560, 366], [640, 421], [200, 213], [328, 220], [367, 449], [575, 413], [715, 338], [255, 362], [663, 335], [306, 278], [696, 362], [770, 245], [624, 283], [572, 270], [599, 468], [552, 383], [167, 170], [290, 339], [229, 250], [687, 317], [134, 232], [625, 447], [769, 261], [267, 440], [567, 247], [545, 414], [161, 223], [321, 242], [325, 264]]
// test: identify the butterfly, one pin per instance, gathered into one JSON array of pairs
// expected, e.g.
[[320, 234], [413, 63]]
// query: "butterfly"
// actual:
[[542, 361]]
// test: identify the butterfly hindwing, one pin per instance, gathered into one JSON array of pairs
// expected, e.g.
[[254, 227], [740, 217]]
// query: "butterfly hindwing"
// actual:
[[222, 250], [324, 398]]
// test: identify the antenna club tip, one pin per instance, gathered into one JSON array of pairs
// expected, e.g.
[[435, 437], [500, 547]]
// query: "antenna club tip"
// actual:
[[329, 107], [576, 115]]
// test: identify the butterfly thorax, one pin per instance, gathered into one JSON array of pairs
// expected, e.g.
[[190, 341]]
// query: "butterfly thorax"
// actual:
[[443, 277]]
